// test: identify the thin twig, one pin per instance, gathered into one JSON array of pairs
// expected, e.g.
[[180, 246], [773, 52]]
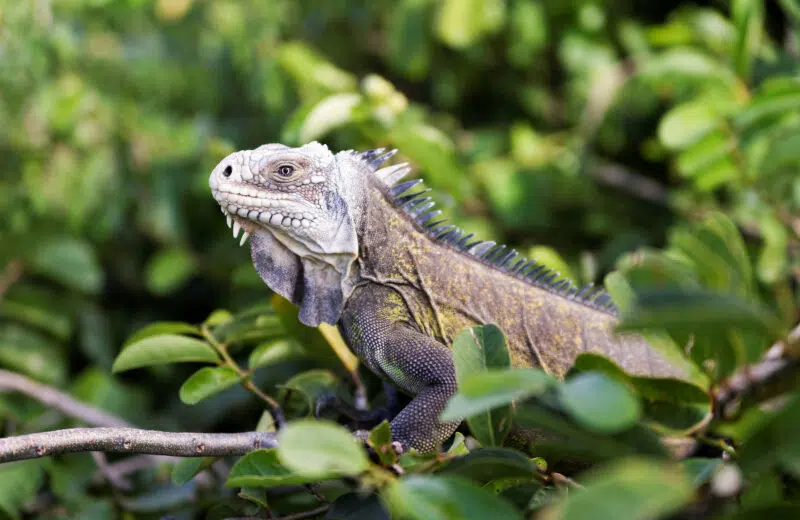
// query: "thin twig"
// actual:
[[629, 181], [117, 480], [133, 440], [244, 376], [130, 465], [778, 371], [563, 480], [58, 400]]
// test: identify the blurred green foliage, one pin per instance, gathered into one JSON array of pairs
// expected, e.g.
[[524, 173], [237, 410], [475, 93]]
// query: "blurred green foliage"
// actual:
[[662, 138]]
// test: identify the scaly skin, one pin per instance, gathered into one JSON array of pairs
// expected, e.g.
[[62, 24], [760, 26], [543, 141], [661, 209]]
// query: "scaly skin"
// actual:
[[398, 294]]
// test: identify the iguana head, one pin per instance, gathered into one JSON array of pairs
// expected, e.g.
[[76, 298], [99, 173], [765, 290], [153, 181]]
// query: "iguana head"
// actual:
[[302, 207]]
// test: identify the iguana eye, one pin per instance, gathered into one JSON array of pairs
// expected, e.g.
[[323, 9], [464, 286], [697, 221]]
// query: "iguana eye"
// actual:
[[286, 170], [227, 171]]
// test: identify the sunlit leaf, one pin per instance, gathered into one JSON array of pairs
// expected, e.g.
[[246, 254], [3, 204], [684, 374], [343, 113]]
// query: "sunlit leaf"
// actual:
[[600, 403], [485, 391], [70, 262], [162, 349], [320, 449], [206, 382], [261, 468]]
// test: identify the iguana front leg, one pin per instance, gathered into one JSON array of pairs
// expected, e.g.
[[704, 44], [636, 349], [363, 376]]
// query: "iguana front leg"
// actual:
[[378, 328]]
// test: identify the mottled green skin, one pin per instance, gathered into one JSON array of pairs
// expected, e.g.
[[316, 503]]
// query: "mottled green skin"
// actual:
[[415, 294]]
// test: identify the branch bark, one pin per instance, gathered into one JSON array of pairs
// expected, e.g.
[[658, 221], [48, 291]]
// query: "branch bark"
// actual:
[[778, 372], [133, 440]]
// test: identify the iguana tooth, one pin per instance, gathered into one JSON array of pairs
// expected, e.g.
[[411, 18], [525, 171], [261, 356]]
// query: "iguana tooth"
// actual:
[[236, 228], [245, 236], [229, 220]]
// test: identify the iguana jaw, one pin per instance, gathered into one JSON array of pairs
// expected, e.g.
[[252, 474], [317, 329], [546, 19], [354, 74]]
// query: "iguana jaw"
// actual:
[[243, 211], [299, 209]]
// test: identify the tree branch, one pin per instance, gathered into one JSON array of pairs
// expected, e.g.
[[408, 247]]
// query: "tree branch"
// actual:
[[133, 440], [58, 400], [777, 372]]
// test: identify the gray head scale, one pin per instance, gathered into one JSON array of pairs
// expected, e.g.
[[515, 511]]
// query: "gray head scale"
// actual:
[[301, 206]]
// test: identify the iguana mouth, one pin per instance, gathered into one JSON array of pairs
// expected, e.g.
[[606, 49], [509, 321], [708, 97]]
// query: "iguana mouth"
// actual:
[[245, 209]]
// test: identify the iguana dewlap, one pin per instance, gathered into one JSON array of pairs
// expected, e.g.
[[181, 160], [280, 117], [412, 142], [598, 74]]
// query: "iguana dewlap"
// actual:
[[339, 236]]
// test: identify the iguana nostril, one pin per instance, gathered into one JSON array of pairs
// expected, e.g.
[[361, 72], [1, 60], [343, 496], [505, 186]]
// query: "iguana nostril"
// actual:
[[227, 171]]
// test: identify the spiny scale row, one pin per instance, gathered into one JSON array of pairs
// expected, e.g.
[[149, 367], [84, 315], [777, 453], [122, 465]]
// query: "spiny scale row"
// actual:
[[417, 206]]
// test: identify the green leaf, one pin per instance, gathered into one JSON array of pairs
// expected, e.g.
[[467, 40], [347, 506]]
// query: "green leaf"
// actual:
[[380, 440], [321, 449], [21, 481], [312, 385], [687, 123], [428, 497], [218, 317], [97, 387], [409, 41], [169, 270], [274, 352], [165, 348], [38, 308], [748, 16], [770, 104], [475, 350], [206, 382], [163, 327], [599, 403], [460, 23], [628, 489], [489, 464], [185, 469], [33, 354], [479, 348], [671, 403], [485, 391], [261, 468], [70, 262]]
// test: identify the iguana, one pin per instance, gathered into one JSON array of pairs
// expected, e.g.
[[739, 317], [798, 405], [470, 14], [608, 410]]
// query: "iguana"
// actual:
[[342, 237]]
